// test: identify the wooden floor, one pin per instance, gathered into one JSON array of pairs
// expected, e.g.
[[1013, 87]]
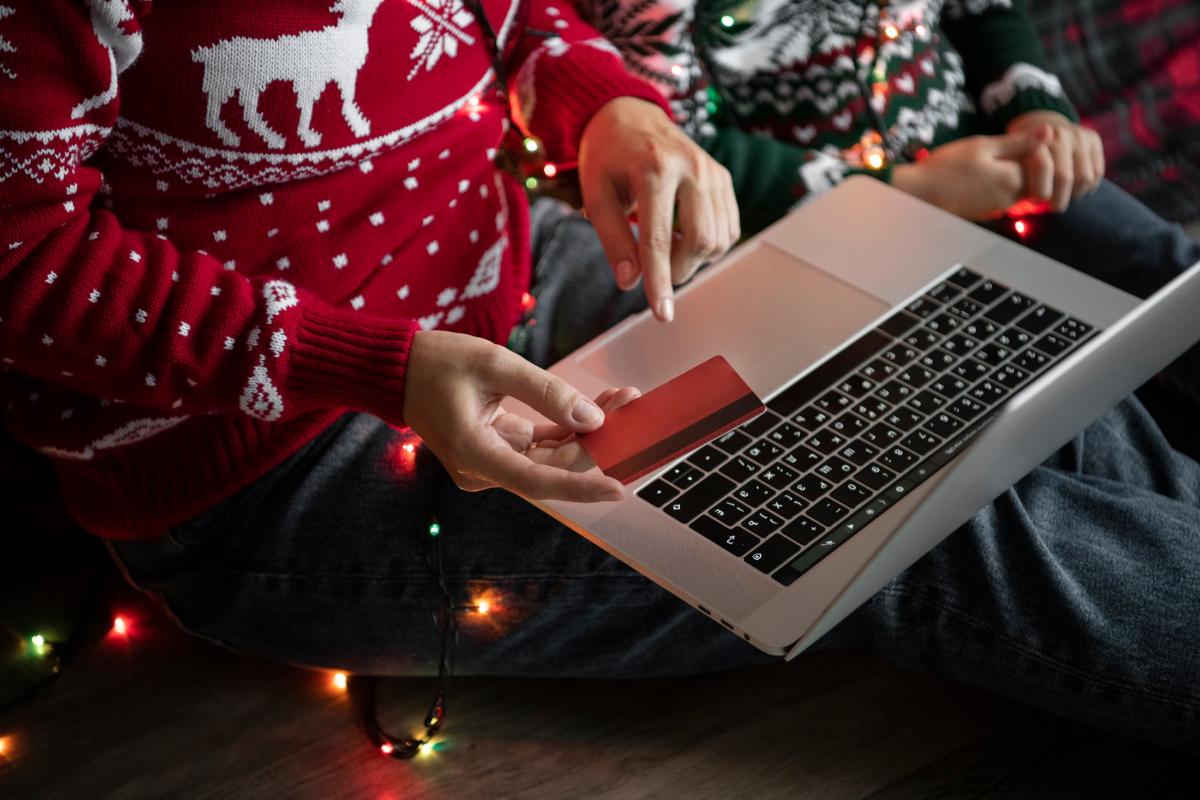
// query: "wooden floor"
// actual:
[[163, 715]]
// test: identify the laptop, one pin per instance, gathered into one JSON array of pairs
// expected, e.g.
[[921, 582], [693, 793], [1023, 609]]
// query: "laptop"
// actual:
[[914, 366]]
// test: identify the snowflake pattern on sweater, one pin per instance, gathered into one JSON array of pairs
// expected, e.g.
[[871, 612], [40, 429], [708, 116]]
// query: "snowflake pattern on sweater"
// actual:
[[814, 75], [225, 221]]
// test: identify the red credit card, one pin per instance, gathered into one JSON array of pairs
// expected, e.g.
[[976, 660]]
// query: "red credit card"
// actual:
[[677, 417]]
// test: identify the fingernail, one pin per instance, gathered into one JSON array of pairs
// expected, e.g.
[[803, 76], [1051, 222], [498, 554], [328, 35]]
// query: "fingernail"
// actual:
[[665, 310], [624, 273], [612, 495], [586, 412]]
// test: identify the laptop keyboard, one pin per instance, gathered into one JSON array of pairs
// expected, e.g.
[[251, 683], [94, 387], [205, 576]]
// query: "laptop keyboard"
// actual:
[[852, 437]]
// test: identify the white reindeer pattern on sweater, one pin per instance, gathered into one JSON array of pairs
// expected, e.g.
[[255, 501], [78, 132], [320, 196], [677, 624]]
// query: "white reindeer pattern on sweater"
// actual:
[[309, 60]]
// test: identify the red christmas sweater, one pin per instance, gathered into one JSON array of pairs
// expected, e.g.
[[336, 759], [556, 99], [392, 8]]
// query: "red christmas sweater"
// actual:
[[221, 222]]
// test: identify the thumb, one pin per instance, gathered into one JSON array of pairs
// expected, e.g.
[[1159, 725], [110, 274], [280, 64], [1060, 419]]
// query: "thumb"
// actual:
[[547, 394], [1020, 144], [608, 215]]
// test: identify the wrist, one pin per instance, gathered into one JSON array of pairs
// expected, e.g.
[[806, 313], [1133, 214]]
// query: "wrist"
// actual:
[[912, 179]]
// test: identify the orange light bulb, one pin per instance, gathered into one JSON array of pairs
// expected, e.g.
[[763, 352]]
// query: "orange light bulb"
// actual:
[[340, 680]]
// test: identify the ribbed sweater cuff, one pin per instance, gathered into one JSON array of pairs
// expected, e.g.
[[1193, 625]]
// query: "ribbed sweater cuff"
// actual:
[[342, 359], [1026, 100], [573, 89]]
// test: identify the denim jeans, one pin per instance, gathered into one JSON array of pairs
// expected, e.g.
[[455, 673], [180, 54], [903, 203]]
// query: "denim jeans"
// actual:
[[1077, 591]]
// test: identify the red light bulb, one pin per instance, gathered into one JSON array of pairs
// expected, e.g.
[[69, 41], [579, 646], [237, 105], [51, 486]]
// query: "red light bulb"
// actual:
[[386, 748], [1021, 227], [120, 626]]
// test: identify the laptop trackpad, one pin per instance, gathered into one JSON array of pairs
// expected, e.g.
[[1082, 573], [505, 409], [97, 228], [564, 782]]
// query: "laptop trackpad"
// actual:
[[770, 314]]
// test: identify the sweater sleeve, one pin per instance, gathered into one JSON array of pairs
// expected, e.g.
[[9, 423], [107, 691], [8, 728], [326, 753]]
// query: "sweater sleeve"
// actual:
[[1003, 59], [770, 176], [124, 314], [561, 72]]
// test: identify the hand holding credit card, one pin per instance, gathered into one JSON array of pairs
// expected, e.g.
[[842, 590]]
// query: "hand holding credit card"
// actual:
[[675, 418]]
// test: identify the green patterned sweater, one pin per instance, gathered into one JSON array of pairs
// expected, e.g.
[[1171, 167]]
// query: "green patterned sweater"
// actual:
[[794, 95]]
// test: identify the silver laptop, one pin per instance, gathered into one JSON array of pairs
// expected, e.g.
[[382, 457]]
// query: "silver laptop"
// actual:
[[914, 367]]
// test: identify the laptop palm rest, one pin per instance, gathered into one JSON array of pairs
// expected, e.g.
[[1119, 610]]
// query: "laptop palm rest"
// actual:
[[771, 317]]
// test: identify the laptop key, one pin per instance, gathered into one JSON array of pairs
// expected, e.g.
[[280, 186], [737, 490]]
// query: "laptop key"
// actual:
[[657, 492], [944, 323], [926, 402], [733, 441], [849, 425], [965, 308], [754, 493], [945, 292], [971, 370], [964, 278], [858, 452], [1008, 309], [904, 419], [851, 494], [921, 442], [803, 530], [1052, 344], [728, 511], [966, 408], [763, 451], [916, 376], [1073, 329], [771, 553], [739, 468], [811, 487], [787, 435], [875, 476], [923, 307], [878, 369], [899, 354], [835, 469], [734, 540], [960, 344], [871, 409], [895, 391], [834, 402], [1009, 376], [704, 494], [897, 459], [827, 511], [802, 459], [938, 360], [898, 323], [825, 441], [1032, 361], [708, 458], [992, 354], [989, 393], [787, 505], [987, 293], [810, 418], [882, 435], [922, 338], [943, 425], [856, 386], [1014, 338], [779, 476], [678, 475], [980, 329], [1039, 320], [762, 523], [948, 386]]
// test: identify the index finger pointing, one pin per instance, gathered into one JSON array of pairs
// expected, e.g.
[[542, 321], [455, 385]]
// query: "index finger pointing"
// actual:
[[655, 204]]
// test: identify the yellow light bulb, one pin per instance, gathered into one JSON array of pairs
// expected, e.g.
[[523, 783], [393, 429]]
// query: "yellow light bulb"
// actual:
[[483, 606], [891, 31], [875, 159]]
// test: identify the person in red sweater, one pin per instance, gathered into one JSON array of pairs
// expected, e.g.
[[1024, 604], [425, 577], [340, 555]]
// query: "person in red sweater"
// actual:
[[224, 226]]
